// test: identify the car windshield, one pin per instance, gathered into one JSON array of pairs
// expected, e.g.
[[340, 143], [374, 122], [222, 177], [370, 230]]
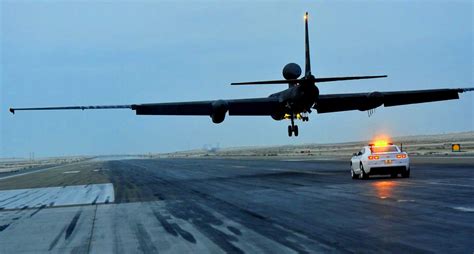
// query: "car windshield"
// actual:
[[383, 149]]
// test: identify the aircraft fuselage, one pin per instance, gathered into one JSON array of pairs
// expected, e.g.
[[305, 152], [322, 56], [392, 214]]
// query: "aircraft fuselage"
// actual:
[[297, 99]]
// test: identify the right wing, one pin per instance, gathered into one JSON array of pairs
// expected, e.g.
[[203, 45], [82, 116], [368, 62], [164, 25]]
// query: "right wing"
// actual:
[[243, 107]]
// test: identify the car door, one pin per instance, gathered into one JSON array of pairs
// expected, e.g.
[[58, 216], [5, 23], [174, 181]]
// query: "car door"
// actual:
[[356, 160]]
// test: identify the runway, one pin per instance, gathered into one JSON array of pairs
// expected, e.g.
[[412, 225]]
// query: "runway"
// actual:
[[237, 206]]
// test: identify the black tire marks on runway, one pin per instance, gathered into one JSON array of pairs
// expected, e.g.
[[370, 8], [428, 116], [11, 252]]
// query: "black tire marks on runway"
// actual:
[[144, 240], [37, 210], [194, 202], [173, 228], [3, 227], [67, 230], [72, 225]]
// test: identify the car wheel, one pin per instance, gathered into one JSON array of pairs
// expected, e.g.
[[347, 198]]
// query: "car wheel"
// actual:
[[406, 173], [363, 175], [353, 174]]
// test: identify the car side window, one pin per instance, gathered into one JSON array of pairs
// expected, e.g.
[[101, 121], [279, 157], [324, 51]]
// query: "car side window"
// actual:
[[361, 152]]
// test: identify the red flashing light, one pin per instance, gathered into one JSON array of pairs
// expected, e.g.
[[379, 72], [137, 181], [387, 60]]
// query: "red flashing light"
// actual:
[[374, 157], [400, 156]]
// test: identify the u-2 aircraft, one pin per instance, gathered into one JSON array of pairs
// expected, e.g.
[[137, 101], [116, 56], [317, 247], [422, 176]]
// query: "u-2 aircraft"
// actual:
[[293, 103]]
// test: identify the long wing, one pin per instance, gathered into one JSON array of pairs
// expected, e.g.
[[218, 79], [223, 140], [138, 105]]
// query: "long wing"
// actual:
[[365, 101], [13, 110], [255, 106], [243, 107]]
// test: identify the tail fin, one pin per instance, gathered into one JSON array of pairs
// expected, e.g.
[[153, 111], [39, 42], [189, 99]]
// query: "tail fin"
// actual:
[[307, 75], [307, 59]]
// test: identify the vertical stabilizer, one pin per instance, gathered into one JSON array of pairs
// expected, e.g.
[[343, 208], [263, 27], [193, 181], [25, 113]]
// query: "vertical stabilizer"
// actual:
[[306, 45]]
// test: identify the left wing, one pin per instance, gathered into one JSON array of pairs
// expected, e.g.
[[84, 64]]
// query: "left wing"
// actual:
[[365, 101], [254, 106]]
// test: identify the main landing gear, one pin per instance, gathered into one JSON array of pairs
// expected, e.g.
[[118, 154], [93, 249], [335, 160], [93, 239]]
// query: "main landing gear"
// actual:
[[292, 129], [304, 117]]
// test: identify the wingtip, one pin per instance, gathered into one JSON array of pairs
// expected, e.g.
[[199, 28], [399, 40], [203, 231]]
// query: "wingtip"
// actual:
[[12, 110], [469, 89]]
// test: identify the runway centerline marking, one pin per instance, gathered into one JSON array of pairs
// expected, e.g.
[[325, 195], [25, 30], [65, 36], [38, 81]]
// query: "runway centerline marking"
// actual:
[[71, 172]]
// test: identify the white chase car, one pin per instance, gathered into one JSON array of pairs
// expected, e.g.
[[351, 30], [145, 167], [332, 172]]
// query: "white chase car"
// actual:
[[380, 159]]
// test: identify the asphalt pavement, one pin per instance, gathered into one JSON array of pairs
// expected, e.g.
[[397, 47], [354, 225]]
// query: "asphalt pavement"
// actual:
[[237, 206]]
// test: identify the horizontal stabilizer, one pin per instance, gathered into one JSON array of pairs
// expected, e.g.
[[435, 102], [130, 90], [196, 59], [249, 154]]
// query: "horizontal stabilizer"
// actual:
[[316, 80], [319, 80], [286, 81]]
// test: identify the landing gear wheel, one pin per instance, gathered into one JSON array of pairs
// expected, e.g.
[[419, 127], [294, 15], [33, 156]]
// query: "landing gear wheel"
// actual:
[[406, 173], [354, 175], [363, 175], [292, 129]]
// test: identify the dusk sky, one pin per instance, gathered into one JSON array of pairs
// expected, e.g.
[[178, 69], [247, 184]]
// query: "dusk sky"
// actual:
[[90, 53]]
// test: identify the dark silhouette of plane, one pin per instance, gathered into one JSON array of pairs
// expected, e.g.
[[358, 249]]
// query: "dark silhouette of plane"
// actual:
[[296, 102]]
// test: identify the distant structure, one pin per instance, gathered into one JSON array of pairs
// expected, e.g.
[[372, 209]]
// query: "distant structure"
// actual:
[[212, 148]]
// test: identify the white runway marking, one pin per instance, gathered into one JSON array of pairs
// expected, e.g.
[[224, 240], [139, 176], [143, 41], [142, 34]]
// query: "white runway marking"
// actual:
[[464, 209], [27, 173], [452, 184], [298, 171], [57, 196], [307, 159], [71, 172]]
